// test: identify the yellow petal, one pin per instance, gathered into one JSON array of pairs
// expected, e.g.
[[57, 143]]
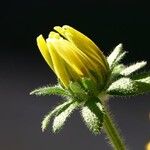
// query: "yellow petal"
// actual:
[[83, 43], [59, 65], [77, 60], [69, 53], [44, 50], [54, 35]]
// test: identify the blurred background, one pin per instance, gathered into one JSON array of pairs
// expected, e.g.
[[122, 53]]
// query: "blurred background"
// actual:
[[22, 69]]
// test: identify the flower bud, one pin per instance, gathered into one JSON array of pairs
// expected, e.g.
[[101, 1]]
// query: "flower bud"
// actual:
[[73, 56]]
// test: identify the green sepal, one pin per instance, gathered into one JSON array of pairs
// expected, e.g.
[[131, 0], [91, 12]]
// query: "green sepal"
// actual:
[[127, 86], [132, 68], [56, 110], [115, 74], [115, 57], [89, 86], [119, 58], [62, 115], [117, 69], [77, 91], [50, 90], [92, 113], [142, 77]]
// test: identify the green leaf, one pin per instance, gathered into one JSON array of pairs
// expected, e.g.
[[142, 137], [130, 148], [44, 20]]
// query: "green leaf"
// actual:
[[127, 86], [116, 55], [92, 114], [132, 68], [61, 116], [59, 108], [49, 90]]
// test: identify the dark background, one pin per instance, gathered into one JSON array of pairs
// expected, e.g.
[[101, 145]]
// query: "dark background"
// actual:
[[22, 69]]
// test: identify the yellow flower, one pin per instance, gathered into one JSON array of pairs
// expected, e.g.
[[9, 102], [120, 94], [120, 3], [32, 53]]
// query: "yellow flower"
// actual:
[[72, 56]]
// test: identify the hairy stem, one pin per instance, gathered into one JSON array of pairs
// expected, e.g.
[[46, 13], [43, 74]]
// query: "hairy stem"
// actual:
[[111, 130], [112, 133]]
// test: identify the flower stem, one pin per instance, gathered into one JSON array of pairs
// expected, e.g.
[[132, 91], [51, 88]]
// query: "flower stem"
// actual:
[[113, 135]]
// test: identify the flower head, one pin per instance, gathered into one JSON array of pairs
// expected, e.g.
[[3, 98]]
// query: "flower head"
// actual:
[[87, 79], [73, 56]]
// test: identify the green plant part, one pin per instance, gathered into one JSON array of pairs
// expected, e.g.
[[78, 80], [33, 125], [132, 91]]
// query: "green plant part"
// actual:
[[86, 80]]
